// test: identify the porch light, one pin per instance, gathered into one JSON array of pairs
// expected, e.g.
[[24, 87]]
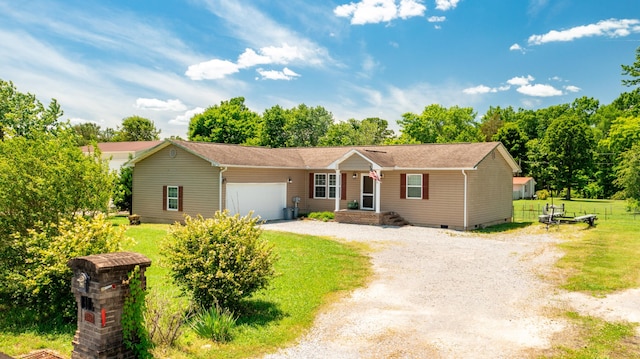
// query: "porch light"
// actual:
[[355, 175], [290, 180]]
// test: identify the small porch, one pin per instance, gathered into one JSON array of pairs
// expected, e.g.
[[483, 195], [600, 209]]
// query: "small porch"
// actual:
[[354, 216]]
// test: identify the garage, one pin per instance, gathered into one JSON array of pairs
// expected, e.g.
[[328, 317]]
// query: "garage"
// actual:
[[265, 199]]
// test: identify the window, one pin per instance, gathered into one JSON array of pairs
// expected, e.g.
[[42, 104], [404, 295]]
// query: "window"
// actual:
[[414, 186], [320, 185], [172, 198], [325, 185], [333, 185]]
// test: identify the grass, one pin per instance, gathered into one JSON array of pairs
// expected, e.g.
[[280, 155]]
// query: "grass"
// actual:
[[312, 272], [596, 338]]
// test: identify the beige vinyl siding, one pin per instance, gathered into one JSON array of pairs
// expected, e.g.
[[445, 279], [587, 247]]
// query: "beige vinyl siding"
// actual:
[[490, 192], [443, 208], [197, 177], [270, 175]]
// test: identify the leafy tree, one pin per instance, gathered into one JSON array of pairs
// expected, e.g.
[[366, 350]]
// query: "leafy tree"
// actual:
[[585, 108], [624, 132], [87, 132], [307, 125], [272, 133], [494, 119], [633, 71], [515, 140], [569, 144], [230, 122], [437, 124], [23, 115], [123, 189], [219, 260], [370, 131], [628, 102], [628, 174], [538, 164], [136, 128]]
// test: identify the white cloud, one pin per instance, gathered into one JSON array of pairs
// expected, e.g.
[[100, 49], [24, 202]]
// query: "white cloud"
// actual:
[[520, 81], [285, 74], [211, 70], [437, 18], [445, 5], [159, 105], [517, 47], [250, 58], [410, 8], [539, 90], [481, 89], [608, 28], [572, 88], [376, 11], [185, 118]]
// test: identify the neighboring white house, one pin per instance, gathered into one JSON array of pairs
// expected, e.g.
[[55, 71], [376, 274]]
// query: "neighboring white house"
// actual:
[[524, 187], [118, 152]]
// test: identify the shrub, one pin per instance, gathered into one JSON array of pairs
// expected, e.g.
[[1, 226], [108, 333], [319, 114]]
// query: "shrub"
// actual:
[[165, 318], [543, 194], [42, 283], [322, 216], [219, 260], [216, 324]]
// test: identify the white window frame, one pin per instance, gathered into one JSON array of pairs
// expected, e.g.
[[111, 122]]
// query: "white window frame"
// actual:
[[176, 198], [330, 182], [316, 186], [419, 175], [333, 186]]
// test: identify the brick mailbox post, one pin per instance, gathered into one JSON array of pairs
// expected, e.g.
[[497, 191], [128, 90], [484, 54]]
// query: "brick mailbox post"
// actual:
[[100, 285]]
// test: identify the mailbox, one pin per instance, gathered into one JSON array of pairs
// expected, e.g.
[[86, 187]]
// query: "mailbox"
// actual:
[[100, 286]]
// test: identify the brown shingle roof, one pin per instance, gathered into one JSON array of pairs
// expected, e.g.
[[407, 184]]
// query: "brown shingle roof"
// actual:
[[423, 156]]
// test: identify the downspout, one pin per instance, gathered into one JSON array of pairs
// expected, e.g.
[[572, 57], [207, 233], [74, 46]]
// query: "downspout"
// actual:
[[222, 170], [465, 200]]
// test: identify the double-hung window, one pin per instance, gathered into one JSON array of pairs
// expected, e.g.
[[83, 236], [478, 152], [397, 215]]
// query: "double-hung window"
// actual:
[[414, 186], [172, 198], [320, 185], [325, 185]]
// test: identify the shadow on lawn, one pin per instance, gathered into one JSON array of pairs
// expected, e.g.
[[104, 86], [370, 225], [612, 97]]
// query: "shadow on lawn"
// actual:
[[505, 227], [17, 321], [260, 313]]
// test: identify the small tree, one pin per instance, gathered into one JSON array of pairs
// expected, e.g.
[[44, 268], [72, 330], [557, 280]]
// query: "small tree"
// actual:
[[123, 191], [628, 175], [219, 260]]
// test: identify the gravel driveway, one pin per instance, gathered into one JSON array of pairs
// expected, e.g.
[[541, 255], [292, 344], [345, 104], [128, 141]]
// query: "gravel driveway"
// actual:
[[436, 294]]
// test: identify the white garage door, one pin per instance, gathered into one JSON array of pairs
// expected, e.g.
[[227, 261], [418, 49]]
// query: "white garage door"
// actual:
[[265, 199]]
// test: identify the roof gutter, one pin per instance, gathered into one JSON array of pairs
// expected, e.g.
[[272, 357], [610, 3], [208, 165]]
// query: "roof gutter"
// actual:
[[222, 170]]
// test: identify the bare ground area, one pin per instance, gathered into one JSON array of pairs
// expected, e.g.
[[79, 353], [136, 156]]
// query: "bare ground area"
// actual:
[[446, 294]]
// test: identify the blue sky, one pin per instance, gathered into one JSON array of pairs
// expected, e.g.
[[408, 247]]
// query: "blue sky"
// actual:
[[166, 60]]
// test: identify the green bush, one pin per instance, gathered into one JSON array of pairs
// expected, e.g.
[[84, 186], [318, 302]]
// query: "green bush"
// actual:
[[543, 194], [216, 324], [219, 260], [322, 216], [41, 284]]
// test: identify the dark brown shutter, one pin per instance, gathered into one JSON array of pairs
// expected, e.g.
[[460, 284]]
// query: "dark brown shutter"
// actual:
[[403, 185], [310, 185], [425, 186], [164, 198], [343, 186], [180, 194]]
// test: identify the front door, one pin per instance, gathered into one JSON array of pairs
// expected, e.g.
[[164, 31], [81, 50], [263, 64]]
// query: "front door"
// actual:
[[367, 198]]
